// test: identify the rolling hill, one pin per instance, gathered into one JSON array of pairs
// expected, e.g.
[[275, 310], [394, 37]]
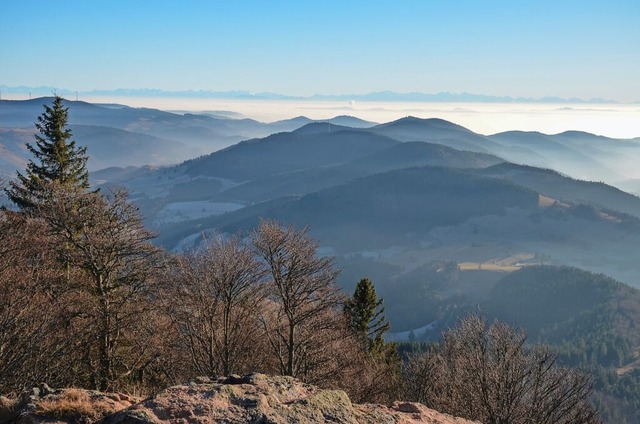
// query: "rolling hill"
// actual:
[[404, 155], [561, 304], [578, 154], [403, 192], [435, 130], [119, 135], [393, 205], [588, 319], [404, 203], [287, 152], [187, 135], [409, 216], [553, 151], [555, 185]]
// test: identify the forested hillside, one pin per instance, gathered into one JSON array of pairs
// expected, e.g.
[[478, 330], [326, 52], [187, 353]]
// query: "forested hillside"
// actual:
[[588, 319]]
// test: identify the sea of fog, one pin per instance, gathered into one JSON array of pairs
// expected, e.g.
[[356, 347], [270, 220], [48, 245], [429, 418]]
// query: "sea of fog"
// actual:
[[612, 120]]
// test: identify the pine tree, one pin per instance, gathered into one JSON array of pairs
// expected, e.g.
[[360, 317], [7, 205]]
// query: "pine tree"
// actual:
[[58, 160], [365, 313]]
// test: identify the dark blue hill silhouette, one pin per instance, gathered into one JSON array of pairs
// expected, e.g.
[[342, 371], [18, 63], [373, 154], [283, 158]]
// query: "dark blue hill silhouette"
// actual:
[[385, 206], [566, 189], [403, 155], [287, 152]]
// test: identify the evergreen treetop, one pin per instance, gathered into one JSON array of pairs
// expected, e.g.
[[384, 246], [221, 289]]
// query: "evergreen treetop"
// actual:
[[57, 159], [366, 313]]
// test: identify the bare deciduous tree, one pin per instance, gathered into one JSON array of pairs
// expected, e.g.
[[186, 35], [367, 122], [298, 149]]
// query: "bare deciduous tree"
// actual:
[[105, 239], [33, 343], [302, 289], [213, 301], [486, 373]]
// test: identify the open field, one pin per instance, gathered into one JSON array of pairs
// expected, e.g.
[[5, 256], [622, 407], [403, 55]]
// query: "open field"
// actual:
[[469, 266]]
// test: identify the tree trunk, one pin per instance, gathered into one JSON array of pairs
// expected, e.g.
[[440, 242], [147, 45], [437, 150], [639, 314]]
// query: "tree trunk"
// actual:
[[105, 340], [291, 350]]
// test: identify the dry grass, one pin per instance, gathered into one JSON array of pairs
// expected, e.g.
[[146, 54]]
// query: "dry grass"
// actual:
[[75, 405], [545, 201], [634, 365], [7, 409]]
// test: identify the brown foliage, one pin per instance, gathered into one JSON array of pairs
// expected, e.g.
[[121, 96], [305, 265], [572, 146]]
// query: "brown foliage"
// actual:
[[7, 409], [308, 334], [228, 315], [33, 339], [366, 377], [104, 238], [79, 273]]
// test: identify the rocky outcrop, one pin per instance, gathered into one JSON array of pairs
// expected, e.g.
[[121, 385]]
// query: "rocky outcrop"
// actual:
[[45, 405], [258, 398], [255, 398]]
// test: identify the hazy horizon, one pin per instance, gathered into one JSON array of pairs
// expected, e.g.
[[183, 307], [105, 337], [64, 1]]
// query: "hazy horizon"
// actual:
[[606, 119]]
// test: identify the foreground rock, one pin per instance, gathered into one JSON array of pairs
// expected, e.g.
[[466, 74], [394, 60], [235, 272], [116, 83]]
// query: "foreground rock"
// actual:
[[256, 398], [45, 405]]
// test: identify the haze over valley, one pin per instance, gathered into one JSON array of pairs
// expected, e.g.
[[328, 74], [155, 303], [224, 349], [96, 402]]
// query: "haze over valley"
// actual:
[[238, 169]]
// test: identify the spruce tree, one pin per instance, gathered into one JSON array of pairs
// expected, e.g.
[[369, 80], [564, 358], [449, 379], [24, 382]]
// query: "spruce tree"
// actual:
[[57, 160], [365, 313]]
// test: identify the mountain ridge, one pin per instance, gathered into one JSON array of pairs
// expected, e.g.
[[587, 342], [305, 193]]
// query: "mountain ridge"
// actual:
[[443, 96]]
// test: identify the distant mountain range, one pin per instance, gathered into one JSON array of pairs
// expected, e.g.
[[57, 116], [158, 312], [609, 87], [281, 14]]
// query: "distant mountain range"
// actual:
[[408, 192], [403, 192], [389, 96], [118, 135]]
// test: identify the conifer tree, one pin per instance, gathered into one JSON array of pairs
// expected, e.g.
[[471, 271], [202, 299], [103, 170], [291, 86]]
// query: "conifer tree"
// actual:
[[365, 313], [57, 160]]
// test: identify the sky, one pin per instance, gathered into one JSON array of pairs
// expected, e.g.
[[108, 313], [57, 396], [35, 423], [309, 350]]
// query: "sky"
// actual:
[[565, 48]]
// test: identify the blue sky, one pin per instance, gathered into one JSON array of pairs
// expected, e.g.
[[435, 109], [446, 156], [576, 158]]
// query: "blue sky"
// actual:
[[537, 48]]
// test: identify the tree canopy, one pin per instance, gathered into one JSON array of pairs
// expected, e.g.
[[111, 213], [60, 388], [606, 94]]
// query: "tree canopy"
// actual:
[[57, 159]]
